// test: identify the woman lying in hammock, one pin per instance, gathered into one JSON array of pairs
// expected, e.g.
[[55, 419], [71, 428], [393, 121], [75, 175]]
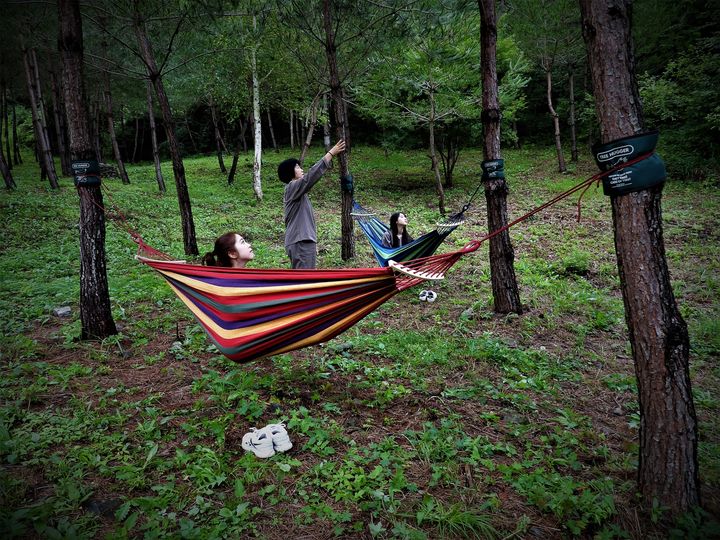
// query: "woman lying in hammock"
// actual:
[[397, 235], [231, 250]]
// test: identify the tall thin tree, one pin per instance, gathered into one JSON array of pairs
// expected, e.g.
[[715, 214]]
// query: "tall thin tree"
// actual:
[[42, 140], [107, 94], [153, 138], [342, 131], [667, 468], [502, 256], [95, 313], [155, 76]]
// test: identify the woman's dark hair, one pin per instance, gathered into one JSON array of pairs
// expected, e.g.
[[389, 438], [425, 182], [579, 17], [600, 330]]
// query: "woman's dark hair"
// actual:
[[219, 255], [394, 229], [286, 169]]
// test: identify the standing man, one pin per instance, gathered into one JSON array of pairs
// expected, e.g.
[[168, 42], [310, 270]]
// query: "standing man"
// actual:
[[300, 229]]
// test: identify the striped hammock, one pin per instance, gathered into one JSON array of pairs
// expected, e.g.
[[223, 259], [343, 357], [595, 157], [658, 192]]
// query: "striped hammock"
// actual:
[[424, 246], [253, 313]]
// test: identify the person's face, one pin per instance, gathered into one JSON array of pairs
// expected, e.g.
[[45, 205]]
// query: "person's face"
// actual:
[[298, 171], [402, 220], [243, 250]]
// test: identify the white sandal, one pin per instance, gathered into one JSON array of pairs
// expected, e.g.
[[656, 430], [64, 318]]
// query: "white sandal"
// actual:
[[279, 436], [259, 442]]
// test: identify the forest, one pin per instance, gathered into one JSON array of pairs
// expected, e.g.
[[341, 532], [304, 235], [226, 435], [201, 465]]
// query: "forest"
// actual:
[[540, 360]]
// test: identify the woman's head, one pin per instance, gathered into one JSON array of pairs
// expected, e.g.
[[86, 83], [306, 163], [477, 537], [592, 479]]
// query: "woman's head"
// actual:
[[398, 226], [231, 250], [398, 218]]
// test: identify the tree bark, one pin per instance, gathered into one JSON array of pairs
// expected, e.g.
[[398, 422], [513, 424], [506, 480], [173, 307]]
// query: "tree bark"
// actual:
[[17, 156], [342, 131], [236, 156], [257, 161], [433, 153], [292, 131], [95, 313], [556, 122], [216, 127], [6, 127], [573, 130], [7, 174], [135, 141], [272, 132], [96, 129], [190, 136], [43, 141], [506, 296], [668, 468], [311, 127], [59, 114], [326, 124], [186, 217], [153, 138]]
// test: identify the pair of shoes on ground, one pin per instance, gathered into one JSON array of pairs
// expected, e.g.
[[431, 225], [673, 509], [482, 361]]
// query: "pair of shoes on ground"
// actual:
[[428, 296], [266, 441]]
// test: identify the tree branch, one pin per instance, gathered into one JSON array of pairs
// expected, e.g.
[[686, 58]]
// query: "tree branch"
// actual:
[[170, 44]]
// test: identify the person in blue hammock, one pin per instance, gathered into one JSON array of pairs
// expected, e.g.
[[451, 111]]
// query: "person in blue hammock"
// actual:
[[300, 228], [397, 235]]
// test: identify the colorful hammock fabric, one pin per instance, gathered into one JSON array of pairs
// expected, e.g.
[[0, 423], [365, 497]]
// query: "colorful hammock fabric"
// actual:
[[424, 246], [252, 313]]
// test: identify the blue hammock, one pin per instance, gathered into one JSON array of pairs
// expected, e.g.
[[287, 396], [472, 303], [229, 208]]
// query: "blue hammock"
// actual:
[[424, 246]]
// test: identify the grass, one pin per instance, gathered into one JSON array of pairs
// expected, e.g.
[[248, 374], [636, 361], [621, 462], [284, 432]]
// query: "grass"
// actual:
[[424, 420]]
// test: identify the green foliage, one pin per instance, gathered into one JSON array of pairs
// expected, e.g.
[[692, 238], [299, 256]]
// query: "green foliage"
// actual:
[[579, 505], [683, 102]]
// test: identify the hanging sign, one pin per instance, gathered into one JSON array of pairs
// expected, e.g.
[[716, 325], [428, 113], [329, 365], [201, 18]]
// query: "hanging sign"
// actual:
[[636, 177], [86, 172]]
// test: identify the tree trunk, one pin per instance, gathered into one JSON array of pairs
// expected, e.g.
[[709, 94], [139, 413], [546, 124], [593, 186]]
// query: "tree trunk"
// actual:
[[111, 130], [272, 132], [311, 128], [573, 130], [96, 129], [95, 313], [43, 142], [135, 140], [153, 138], [190, 136], [556, 122], [342, 131], [292, 131], [218, 144], [257, 162], [506, 296], [433, 153], [236, 156], [243, 129], [326, 124], [6, 126], [59, 112], [17, 156], [7, 174], [668, 468], [188, 225]]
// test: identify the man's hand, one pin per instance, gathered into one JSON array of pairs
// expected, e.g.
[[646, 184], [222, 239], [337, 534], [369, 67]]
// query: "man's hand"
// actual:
[[339, 147]]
